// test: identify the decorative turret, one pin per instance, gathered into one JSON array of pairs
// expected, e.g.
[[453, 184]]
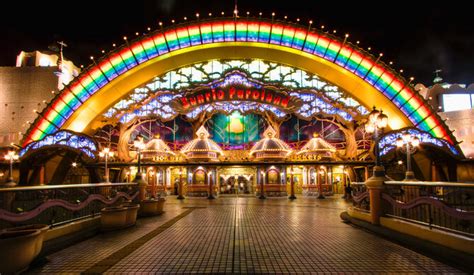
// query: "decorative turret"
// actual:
[[156, 148], [270, 147], [319, 148], [201, 148]]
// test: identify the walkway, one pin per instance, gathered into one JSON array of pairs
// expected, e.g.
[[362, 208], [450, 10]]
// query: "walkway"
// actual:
[[241, 235]]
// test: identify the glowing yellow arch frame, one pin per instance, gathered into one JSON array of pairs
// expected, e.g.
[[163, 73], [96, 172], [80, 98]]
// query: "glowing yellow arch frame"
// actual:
[[81, 120], [102, 85]]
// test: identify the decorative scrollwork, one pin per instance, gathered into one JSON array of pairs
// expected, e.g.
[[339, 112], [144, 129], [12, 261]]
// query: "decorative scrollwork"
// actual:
[[24, 216], [453, 212]]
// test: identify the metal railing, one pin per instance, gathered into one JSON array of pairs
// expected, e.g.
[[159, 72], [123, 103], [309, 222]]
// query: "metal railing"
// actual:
[[59, 204], [445, 205], [359, 195]]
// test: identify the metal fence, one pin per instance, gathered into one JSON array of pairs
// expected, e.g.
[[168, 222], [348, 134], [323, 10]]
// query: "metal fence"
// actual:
[[59, 204], [445, 205]]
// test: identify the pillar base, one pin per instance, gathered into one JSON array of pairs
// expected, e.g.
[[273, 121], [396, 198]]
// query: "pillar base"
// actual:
[[262, 197], [10, 183], [410, 176], [180, 197], [375, 185], [210, 197], [379, 175], [292, 197], [321, 196], [142, 184]]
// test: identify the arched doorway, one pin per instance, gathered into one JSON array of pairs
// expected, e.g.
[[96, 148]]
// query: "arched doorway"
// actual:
[[236, 181]]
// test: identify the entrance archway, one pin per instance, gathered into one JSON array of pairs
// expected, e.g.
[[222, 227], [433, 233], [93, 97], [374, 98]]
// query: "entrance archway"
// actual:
[[237, 181]]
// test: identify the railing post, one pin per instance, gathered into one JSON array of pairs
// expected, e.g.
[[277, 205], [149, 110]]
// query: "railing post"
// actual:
[[375, 185], [142, 184]]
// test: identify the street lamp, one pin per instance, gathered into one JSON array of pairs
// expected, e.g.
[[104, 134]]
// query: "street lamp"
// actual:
[[139, 145], [377, 122], [292, 185], [11, 156], [106, 153], [410, 143], [262, 195]]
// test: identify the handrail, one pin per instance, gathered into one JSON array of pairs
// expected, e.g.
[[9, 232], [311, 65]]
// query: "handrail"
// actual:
[[357, 183], [64, 186], [431, 183]]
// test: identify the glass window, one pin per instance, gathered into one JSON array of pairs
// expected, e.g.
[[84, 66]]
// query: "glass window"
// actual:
[[456, 102]]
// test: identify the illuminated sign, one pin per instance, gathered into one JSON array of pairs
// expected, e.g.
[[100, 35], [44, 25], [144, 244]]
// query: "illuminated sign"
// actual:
[[267, 95]]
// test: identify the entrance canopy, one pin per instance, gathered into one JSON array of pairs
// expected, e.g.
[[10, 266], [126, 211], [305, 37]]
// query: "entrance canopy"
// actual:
[[114, 75]]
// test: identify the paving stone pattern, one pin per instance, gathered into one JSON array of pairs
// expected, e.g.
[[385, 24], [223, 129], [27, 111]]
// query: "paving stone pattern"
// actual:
[[244, 235]]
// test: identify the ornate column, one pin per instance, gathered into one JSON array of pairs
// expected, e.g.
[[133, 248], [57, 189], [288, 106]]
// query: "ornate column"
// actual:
[[262, 186], [210, 182], [320, 187], [292, 185], [180, 184]]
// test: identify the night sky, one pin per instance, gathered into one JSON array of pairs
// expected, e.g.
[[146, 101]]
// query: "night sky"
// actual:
[[418, 39]]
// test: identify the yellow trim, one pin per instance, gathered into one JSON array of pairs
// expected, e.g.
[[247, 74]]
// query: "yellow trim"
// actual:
[[71, 227], [364, 216], [83, 118], [447, 239]]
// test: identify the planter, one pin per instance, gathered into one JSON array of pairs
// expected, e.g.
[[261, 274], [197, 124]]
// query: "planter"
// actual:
[[132, 211], [18, 249], [113, 218], [152, 207], [41, 227]]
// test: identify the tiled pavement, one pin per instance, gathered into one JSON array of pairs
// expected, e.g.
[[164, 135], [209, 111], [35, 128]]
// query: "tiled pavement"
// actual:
[[242, 235]]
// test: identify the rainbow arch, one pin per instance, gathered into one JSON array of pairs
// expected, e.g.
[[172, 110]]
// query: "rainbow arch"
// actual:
[[345, 55]]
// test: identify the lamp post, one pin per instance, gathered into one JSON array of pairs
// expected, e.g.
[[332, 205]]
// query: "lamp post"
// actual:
[[180, 185], [210, 196], [262, 194], [139, 145], [292, 186], [106, 153], [11, 156], [377, 122], [410, 143]]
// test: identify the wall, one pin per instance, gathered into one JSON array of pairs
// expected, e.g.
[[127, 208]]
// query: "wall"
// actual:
[[23, 89], [462, 122]]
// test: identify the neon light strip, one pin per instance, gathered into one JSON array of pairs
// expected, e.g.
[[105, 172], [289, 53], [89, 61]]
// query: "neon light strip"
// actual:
[[242, 30]]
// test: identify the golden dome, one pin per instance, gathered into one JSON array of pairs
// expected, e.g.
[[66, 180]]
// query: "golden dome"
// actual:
[[201, 148], [156, 148], [270, 147], [318, 146]]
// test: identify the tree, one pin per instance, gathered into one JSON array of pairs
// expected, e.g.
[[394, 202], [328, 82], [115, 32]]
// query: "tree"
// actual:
[[349, 129], [274, 121], [200, 120], [126, 130]]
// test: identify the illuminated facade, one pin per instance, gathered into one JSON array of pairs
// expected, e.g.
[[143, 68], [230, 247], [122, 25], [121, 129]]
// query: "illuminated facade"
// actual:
[[229, 106]]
